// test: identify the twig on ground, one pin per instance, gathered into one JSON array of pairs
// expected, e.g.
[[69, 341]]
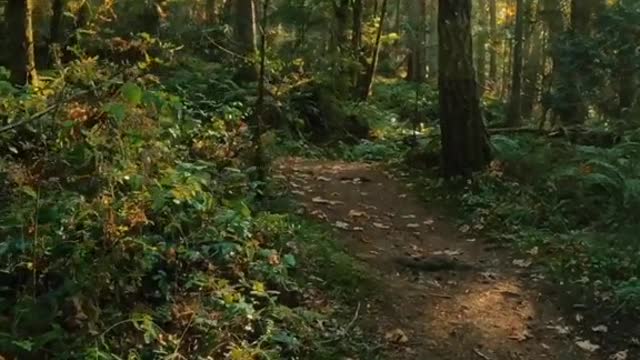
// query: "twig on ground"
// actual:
[[481, 355]]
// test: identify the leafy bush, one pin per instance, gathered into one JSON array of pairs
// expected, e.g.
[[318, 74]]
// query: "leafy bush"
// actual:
[[129, 227]]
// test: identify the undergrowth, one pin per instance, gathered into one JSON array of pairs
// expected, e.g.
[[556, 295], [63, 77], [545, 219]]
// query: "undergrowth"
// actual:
[[569, 207], [131, 227]]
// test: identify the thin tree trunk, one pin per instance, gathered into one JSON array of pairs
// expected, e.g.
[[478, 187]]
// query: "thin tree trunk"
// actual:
[[371, 72], [19, 23], [356, 36], [514, 116], [212, 11], [416, 66], [465, 146], [495, 42], [245, 36], [532, 68], [481, 44], [432, 39]]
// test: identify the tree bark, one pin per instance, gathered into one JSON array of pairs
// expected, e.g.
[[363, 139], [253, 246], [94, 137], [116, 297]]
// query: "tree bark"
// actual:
[[495, 42], [432, 39], [514, 116], [356, 35], [533, 66], [19, 23], [211, 11], [481, 44], [465, 146], [371, 71], [416, 69], [245, 36]]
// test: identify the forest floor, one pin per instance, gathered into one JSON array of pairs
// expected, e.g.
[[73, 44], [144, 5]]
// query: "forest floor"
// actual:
[[495, 309]]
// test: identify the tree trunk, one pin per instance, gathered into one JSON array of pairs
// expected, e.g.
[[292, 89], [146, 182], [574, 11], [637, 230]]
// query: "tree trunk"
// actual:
[[19, 24], [432, 39], [416, 71], [533, 67], [371, 72], [55, 28], [495, 42], [211, 11], [481, 44], [356, 36], [575, 110], [465, 146], [245, 36], [514, 116]]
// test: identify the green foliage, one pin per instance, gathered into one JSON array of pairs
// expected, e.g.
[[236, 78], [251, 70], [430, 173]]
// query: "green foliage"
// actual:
[[577, 204], [130, 229]]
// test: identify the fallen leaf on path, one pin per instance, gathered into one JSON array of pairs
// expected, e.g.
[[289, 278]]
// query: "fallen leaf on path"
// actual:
[[402, 196], [464, 228], [545, 346], [342, 225], [635, 341], [381, 226], [534, 251], [562, 330], [587, 345], [600, 329], [448, 252], [521, 336], [413, 226], [620, 355], [320, 214], [472, 240], [319, 200], [357, 228], [323, 178], [356, 213], [408, 216], [429, 222], [396, 336], [579, 318], [522, 263]]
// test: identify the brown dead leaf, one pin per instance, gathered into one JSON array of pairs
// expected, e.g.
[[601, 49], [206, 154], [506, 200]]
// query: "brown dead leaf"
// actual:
[[381, 226], [521, 336], [587, 345], [319, 200], [620, 355], [600, 329], [522, 263], [396, 336], [357, 213], [342, 225]]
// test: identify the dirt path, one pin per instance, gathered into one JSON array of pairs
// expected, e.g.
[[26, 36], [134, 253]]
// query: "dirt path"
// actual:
[[495, 311]]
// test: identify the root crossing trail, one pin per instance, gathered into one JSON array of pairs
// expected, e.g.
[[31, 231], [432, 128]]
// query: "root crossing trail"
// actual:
[[469, 301]]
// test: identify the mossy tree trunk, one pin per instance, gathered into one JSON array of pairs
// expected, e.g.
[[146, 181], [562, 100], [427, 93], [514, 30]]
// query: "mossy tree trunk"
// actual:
[[465, 146]]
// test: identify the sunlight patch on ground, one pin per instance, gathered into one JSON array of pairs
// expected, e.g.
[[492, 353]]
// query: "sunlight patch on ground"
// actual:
[[496, 312]]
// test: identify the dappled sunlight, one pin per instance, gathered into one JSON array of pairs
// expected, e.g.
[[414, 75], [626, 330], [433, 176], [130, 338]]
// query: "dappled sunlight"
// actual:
[[498, 312]]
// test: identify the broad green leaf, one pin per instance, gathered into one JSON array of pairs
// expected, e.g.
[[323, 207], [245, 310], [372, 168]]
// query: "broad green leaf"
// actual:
[[116, 110], [132, 93]]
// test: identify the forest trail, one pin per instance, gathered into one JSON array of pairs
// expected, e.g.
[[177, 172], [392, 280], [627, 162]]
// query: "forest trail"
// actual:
[[493, 311]]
